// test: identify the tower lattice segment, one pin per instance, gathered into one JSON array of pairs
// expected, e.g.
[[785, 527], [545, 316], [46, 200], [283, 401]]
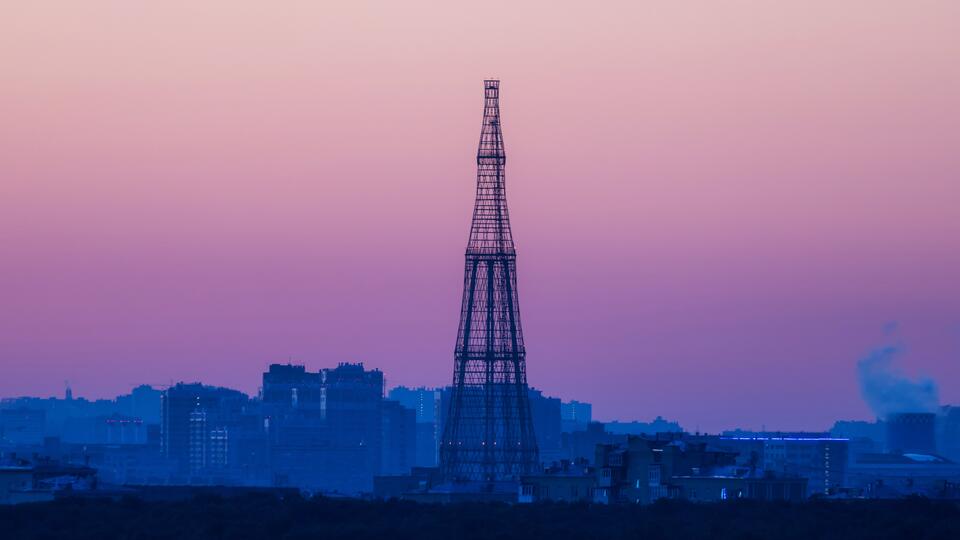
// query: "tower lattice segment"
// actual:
[[489, 435]]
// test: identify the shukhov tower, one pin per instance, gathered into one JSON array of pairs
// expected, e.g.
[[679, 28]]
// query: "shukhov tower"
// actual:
[[488, 435]]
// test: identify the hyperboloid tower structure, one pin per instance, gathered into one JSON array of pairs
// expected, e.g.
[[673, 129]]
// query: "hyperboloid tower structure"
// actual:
[[488, 435]]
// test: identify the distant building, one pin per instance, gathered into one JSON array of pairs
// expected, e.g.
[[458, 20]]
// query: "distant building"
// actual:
[[575, 416], [911, 433], [419, 480], [426, 403], [657, 425], [882, 476], [16, 485], [859, 429], [948, 434], [769, 487], [22, 425], [78, 420], [142, 402], [864, 437], [581, 445], [332, 430], [399, 438], [121, 464], [667, 466], [353, 411], [121, 429], [819, 457], [427, 444], [196, 422], [565, 481], [546, 415], [41, 479]]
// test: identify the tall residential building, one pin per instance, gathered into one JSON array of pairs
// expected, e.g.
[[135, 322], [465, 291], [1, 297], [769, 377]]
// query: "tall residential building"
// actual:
[[332, 430], [426, 402], [399, 439], [196, 422], [575, 416], [546, 413]]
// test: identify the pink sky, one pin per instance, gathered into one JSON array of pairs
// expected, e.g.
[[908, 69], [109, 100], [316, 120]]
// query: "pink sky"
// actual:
[[717, 205]]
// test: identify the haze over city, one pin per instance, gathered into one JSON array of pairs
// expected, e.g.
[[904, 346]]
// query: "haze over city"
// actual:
[[719, 210]]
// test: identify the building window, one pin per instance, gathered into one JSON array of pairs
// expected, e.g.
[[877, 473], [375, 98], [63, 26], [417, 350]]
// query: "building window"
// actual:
[[653, 476]]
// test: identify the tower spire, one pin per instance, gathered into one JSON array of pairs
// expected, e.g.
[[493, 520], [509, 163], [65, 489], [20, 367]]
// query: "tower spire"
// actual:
[[490, 229], [488, 436]]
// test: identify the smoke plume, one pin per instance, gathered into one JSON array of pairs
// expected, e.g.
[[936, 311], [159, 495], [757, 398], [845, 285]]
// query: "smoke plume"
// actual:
[[888, 390]]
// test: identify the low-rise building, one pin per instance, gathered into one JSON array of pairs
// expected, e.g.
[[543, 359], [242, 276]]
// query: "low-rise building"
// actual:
[[16, 486], [884, 476], [675, 466], [564, 481], [819, 457]]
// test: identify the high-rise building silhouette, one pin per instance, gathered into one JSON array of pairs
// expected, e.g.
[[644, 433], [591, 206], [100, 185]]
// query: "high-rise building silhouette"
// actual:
[[489, 436], [326, 428]]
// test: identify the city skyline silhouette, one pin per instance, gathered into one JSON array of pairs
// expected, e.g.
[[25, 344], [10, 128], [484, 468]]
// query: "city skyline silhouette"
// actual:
[[737, 200]]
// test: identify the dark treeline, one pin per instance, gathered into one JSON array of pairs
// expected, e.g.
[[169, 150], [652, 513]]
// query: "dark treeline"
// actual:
[[269, 517]]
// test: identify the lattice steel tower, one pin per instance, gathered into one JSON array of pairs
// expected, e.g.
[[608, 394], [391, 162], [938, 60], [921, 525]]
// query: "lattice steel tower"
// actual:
[[488, 435]]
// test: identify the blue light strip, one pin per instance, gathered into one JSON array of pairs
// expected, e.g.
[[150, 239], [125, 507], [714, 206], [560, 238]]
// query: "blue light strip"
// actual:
[[783, 439]]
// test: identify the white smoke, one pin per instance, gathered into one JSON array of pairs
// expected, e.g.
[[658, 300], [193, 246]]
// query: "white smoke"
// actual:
[[888, 390]]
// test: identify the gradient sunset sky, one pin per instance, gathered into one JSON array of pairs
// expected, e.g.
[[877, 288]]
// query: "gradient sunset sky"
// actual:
[[718, 206]]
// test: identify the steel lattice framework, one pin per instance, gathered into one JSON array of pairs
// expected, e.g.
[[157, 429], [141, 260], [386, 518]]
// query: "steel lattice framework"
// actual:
[[488, 435]]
